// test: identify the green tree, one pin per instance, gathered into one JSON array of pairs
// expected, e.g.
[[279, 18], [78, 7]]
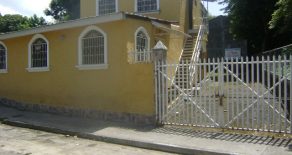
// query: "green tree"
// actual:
[[36, 21], [16, 22], [62, 10], [282, 20], [250, 21]]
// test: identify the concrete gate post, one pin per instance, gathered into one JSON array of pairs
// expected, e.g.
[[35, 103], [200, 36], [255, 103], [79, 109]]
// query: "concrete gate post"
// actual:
[[159, 58]]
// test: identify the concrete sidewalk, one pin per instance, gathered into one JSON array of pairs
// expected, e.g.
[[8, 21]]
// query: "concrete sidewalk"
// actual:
[[169, 139]]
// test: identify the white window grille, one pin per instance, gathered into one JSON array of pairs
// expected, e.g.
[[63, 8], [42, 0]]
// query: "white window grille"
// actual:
[[93, 48], [3, 57], [106, 7], [147, 5], [142, 53], [39, 53]]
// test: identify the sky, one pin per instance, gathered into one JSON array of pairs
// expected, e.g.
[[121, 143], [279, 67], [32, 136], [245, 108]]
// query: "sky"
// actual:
[[25, 7], [30, 7], [214, 8]]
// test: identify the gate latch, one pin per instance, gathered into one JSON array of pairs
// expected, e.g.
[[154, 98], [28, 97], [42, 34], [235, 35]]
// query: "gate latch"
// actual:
[[221, 100], [221, 97]]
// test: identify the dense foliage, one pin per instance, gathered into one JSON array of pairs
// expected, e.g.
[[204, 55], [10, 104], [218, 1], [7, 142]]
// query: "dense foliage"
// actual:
[[282, 21], [62, 10], [265, 24], [16, 22]]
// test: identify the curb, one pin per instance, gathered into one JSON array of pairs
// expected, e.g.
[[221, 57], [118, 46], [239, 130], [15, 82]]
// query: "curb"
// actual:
[[125, 142]]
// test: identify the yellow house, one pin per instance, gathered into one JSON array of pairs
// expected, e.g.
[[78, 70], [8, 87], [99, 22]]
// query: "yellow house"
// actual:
[[99, 65]]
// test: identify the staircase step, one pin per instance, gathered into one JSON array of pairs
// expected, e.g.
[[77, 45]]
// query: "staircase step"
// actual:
[[188, 52], [188, 49], [189, 46], [186, 56]]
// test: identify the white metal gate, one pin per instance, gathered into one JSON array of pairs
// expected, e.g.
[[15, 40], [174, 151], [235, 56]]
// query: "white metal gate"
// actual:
[[249, 93]]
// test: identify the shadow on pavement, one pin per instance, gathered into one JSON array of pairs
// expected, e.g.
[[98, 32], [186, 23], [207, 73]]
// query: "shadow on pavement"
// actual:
[[233, 137]]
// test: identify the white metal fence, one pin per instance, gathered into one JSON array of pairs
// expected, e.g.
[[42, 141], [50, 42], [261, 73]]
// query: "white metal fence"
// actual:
[[140, 57], [245, 93]]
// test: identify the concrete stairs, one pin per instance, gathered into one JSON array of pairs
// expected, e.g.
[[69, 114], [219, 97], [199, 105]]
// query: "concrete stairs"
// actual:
[[182, 73]]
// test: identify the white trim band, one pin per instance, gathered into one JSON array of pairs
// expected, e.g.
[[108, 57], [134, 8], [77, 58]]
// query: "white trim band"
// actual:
[[92, 67]]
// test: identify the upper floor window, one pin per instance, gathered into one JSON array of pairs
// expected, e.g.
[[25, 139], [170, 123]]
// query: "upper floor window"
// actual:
[[92, 49], [38, 53], [147, 5], [3, 58], [106, 7]]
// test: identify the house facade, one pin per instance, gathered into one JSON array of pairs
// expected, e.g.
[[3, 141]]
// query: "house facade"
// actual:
[[98, 65]]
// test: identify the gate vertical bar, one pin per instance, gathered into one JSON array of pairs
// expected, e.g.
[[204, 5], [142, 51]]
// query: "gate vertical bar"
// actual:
[[159, 58], [242, 93], [252, 81], [263, 94], [269, 93], [194, 114], [247, 93], [280, 93], [258, 93], [227, 91], [214, 91], [232, 90], [237, 88], [209, 91], [204, 105], [274, 93], [200, 95], [221, 93], [285, 95]]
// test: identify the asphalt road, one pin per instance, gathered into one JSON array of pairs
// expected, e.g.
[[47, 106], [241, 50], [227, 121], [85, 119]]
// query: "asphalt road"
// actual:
[[20, 141]]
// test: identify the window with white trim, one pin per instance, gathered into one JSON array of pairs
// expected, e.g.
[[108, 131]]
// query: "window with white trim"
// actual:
[[142, 41], [39, 53], [105, 7], [93, 48], [3, 57], [147, 5], [142, 45]]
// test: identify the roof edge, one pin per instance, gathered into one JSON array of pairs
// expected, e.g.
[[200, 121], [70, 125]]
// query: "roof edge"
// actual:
[[81, 22], [64, 25], [138, 16]]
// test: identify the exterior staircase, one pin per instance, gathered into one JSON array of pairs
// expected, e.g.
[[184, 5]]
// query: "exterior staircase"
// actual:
[[185, 71], [182, 73], [188, 49]]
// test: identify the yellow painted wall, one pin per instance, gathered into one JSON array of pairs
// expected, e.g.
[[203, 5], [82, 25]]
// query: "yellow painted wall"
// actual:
[[169, 9], [87, 8], [197, 12], [122, 87]]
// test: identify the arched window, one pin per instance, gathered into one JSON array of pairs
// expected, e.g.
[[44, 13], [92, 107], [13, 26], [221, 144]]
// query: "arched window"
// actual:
[[3, 58], [105, 7], [38, 53], [142, 41], [142, 45], [92, 48]]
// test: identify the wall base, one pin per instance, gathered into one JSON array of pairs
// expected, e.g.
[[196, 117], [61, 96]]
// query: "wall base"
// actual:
[[85, 113]]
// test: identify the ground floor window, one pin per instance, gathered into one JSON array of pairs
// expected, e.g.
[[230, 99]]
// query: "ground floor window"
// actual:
[[39, 53], [92, 49], [3, 57]]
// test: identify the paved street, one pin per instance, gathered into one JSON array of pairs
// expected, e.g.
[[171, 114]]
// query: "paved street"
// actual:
[[20, 141]]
